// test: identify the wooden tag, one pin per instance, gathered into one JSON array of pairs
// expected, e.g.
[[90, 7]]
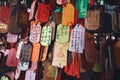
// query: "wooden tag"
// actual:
[[60, 55], [46, 36], [25, 53], [35, 52], [35, 32], [19, 49], [92, 21], [68, 14], [77, 39], [11, 38], [11, 59], [30, 75], [23, 65], [62, 34], [81, 6]]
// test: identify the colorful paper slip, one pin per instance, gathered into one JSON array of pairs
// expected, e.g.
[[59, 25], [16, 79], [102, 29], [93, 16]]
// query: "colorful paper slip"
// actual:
[[68, 14], [81, 6], [35, 52], [35, 32], [25, 53], [62, 34], [46, 36], [60, 55], [77, 39]]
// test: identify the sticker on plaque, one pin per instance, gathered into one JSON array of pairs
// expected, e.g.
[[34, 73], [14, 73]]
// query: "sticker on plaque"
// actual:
[[46, 36], [26, 51], [30, 75], [35, 52], [52, 24], [68, 14], [92, 20], [19, 49], [60, 54], [81, 6], [11, 38], [44, 53], [11, 59], [62, 34], [77, 39], [17, 73], [35, 32], [33, 66], [23, 65]]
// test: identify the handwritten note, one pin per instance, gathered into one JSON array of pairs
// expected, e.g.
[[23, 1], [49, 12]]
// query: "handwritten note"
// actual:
[[46, 36], [35, 32], [77, 39], [62, 34]]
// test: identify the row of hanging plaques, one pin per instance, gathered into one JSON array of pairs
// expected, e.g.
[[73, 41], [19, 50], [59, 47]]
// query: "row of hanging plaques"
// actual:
[[64, 41], [68, 14]]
